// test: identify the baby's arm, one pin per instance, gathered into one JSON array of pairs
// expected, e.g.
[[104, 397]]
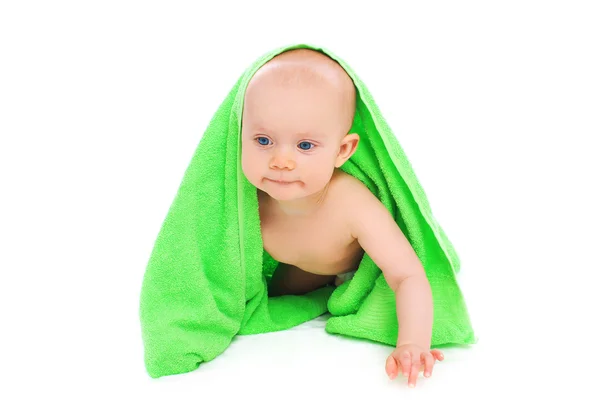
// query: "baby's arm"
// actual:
[[381, 238]]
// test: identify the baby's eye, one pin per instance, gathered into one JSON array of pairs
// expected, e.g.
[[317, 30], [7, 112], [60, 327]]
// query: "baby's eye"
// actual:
[[263, 141], [305, 145]]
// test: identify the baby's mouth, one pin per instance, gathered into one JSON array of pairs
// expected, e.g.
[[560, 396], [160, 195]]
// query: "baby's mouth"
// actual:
[[281, 181]]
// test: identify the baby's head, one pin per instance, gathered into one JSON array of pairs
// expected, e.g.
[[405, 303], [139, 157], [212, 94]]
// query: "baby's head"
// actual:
[[298, 110]]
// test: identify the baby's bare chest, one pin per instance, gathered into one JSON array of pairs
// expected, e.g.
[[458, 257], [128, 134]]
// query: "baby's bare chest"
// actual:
[[320, 247]]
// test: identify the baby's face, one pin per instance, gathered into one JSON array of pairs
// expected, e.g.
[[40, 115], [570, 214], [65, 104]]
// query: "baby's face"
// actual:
[[291, 136]]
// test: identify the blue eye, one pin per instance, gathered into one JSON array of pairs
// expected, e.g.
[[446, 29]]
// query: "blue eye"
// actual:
[[263, 141], [305, 145]]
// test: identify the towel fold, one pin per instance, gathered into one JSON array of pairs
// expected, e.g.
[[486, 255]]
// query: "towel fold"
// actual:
[[206, 279]]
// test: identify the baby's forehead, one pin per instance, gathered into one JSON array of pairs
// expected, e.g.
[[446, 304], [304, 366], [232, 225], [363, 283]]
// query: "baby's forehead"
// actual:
[[301, 76], [302, 68], [269, 95]]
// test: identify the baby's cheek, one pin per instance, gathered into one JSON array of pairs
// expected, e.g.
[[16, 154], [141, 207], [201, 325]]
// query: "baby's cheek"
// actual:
[[248, 169], [253, 172], [319, 177]]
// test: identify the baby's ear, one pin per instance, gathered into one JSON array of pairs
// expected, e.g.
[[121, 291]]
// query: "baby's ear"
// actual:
[[347, 148]]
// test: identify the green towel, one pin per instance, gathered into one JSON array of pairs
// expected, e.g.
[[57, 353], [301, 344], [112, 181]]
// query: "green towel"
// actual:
[[206, 279]]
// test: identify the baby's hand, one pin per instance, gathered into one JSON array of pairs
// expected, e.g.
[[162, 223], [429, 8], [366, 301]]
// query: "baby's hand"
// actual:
[[411, 358]]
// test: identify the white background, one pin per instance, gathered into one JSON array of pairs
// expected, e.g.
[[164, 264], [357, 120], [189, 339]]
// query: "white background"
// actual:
[[102, 104]]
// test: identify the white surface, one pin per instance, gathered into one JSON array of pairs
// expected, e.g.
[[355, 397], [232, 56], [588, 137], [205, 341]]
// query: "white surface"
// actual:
[[101, 108]]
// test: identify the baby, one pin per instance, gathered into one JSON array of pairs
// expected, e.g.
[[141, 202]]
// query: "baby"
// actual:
[[316, 220]]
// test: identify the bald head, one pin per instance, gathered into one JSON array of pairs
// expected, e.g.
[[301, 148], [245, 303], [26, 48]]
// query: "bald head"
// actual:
[[297, 115], [306, 68]]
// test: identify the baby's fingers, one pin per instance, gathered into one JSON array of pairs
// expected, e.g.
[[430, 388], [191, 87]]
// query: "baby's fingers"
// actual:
[[429, 361], [414, 371], [406, 363], [437, 354], [391, 367]]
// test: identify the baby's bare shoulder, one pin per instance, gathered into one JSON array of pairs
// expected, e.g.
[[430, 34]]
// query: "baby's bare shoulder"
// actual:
[[351, 193]]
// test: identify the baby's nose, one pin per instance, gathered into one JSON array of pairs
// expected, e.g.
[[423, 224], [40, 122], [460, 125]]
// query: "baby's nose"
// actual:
[[283, 160]]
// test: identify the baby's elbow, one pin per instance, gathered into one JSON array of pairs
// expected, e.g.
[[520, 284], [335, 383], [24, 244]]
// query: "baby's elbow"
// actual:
[[395, 281]]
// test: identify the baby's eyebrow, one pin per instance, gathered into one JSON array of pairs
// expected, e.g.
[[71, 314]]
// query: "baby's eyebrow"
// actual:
[[261, 129], [306, 135]]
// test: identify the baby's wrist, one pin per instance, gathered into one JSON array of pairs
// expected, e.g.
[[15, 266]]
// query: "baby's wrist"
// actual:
[[421, 344]]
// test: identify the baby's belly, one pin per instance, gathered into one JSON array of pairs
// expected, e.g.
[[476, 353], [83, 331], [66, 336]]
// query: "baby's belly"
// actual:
[[336, 262]]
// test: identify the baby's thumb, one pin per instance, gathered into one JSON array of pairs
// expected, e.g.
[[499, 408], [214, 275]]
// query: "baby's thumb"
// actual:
[[391, 367]]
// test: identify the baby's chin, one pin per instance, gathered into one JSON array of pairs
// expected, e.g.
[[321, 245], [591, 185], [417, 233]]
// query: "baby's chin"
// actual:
[[285, 191], [291, 194]]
